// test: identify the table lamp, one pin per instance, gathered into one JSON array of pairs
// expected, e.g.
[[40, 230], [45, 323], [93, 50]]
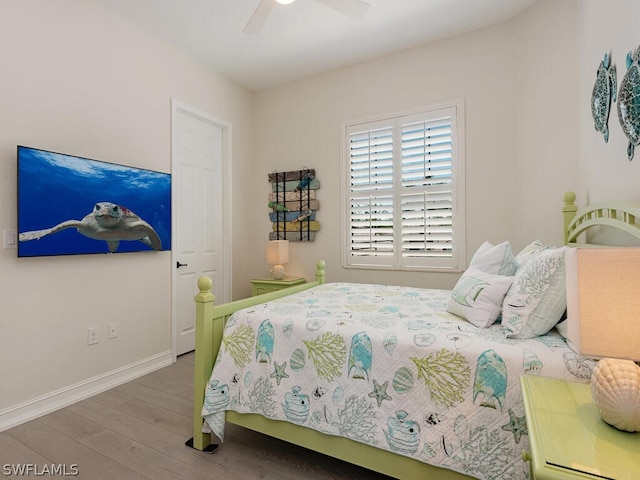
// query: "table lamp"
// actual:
[[603, 313], [277, 254]]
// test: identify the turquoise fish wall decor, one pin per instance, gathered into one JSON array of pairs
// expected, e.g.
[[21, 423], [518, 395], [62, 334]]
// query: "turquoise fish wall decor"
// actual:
[[629, 102], [604, 92]]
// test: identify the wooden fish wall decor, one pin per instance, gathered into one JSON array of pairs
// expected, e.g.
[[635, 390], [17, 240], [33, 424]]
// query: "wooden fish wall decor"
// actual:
[[293, 205]]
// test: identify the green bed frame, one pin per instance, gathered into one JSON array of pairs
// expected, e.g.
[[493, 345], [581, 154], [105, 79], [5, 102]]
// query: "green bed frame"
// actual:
[[622, 216], [210, 322]]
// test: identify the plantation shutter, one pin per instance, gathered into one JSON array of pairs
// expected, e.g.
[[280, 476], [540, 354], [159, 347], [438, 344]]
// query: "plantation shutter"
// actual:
[[401, 192], [426, 195], [371, 225]]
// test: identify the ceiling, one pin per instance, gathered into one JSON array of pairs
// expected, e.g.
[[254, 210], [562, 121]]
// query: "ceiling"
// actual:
[[306, 37]]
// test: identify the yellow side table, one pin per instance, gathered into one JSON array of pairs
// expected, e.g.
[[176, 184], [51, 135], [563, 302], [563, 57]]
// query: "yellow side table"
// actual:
[[266, 285], [567, 438]]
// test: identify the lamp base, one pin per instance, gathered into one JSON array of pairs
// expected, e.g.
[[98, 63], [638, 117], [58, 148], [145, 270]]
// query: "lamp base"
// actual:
[[277, 272], [615, 385]]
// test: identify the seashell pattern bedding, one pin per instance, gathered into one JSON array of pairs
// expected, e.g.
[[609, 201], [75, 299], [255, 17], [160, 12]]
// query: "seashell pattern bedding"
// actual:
[[389, 367]]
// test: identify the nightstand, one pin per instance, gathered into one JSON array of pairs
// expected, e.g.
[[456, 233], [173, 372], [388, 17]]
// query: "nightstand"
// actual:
[[266, 285], [567, 438]]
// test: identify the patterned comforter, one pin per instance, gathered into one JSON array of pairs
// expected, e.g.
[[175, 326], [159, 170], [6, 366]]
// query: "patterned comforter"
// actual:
[[389, 367]]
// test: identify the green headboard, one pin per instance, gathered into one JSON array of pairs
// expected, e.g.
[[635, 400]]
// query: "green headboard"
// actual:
[[619, 215]]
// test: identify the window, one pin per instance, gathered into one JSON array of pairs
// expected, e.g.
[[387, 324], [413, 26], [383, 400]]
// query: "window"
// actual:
[[404, 195]]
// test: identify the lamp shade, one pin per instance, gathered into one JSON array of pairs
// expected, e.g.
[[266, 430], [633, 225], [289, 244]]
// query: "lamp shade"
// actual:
[[603, 301], [277, 252]]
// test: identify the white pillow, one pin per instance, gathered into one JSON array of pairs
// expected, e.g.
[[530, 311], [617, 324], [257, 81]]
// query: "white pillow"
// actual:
[[494, 259], [478, 296], [537, 299], [562, 328], [528, 252]]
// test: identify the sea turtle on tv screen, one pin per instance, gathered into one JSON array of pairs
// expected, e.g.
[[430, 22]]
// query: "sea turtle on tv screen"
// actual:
[[109, 222], [604, 91], [629, 102]]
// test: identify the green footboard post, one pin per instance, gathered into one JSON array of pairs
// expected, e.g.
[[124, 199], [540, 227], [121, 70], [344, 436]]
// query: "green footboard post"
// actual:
[[569, 210], [321, 275], [204, 358]]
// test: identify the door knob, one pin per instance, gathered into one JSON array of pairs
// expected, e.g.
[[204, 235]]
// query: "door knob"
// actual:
[[178, 264]]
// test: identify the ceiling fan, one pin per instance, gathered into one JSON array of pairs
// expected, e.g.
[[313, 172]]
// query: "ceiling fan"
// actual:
[[352, 8]]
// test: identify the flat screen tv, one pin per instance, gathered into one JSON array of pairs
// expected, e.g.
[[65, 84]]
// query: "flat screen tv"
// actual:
[[70, 205]]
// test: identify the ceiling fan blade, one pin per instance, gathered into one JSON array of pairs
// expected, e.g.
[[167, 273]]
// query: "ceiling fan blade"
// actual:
[[259, 17], [353, 8]]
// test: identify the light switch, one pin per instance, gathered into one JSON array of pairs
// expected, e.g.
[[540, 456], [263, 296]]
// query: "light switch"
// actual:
[[10, 238]]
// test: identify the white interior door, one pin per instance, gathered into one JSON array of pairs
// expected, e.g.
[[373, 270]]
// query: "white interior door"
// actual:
[[200, 157]]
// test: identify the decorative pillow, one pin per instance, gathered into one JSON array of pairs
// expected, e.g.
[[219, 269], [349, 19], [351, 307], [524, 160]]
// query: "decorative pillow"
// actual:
[[562, 328], [478, 296], [494, 259], [528, 252], [537, 299]]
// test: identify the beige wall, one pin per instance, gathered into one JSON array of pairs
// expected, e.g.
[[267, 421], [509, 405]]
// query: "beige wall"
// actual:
[[299, 125], [546, 117], [518, 83], [77, 79]]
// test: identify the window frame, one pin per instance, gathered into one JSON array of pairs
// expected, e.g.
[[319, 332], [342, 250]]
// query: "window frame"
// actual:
[[396, 261]]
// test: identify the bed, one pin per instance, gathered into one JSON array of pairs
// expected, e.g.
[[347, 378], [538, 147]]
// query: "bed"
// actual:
[[412, 383]]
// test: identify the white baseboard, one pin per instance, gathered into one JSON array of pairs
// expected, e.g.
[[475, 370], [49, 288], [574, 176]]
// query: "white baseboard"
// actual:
[[52, 401]]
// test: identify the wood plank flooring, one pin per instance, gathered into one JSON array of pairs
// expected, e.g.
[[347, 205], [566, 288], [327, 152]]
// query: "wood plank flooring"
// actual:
[[138, 430]]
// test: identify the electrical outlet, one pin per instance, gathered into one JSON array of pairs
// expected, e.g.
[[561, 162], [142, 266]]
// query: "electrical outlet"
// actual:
[[92, 337], [113, 330]]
